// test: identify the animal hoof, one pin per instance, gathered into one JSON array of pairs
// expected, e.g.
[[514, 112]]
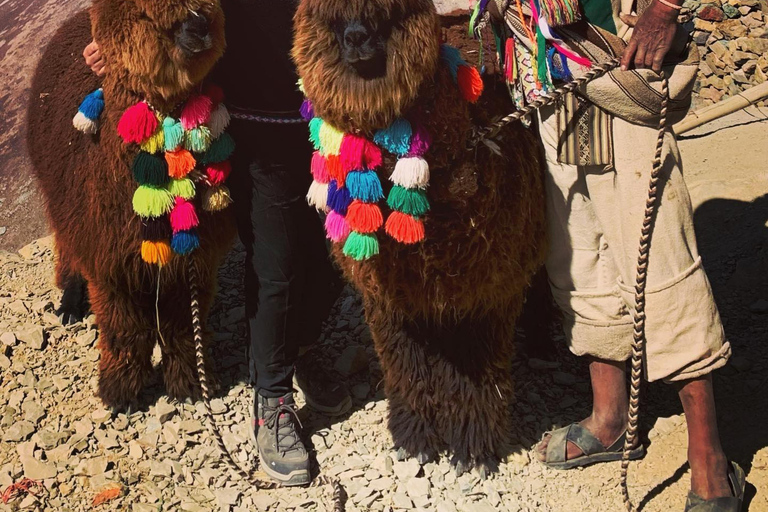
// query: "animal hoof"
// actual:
[[459, 466], [487, 467], [69, 318], [401, 454], [423, 458]]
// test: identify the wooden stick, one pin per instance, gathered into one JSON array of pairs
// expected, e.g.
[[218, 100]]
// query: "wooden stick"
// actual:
[[723, 108]]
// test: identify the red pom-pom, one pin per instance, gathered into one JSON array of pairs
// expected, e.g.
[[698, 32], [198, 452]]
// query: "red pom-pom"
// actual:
[[214, 92], [137, 124], [180, 163], [351, 153], [218, 173], [319, 168], [470, 83], [336, 170], [405, 228], [371, 155], [196, 111], [364, 217], [183, 216]]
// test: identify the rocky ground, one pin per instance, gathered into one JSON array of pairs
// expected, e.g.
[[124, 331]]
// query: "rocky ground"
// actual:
[[54, 430]]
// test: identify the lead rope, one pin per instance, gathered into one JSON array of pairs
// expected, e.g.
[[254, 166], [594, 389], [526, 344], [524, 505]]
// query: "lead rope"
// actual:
[[257, 478], [638, 341]]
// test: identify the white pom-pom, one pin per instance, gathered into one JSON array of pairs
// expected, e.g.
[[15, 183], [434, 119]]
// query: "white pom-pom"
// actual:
[[219, 121], [85, 125], [318, 195], [411, 172]]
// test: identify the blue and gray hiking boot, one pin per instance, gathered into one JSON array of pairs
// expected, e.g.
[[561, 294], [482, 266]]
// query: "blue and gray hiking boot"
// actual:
[[275, 432]]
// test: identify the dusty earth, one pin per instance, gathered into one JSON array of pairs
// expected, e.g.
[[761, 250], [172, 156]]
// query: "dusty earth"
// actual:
[[54, 430]]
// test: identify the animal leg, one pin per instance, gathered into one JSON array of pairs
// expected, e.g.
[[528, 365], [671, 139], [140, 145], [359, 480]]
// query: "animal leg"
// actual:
[[74, 301]]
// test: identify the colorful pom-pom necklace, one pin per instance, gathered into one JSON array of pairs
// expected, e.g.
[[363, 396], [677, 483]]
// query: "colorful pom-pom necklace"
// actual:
[[176, 155], [347, 186]]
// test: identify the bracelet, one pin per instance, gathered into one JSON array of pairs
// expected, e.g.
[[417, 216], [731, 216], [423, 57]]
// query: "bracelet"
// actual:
[[670, 4]]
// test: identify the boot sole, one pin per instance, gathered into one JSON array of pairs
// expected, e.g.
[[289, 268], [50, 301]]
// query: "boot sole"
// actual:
[[341, 409]]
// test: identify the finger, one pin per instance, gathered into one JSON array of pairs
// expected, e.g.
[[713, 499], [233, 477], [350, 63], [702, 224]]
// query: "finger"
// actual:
[[96, 66], [639, 61], [648, 61], [628, 55], [658, 60], [629, 19], [102, 70], [90, 60]]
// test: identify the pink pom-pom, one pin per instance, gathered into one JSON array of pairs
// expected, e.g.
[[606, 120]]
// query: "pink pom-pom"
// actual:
[[218, 173], [336, 227], [137, 124], [352, 152], [320, 168], [214, 92], [183, 215], [196, 111], [371, 156]]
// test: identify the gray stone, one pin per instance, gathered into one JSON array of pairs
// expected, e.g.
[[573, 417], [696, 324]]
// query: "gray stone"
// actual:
[[33, 411], [406, 470], [417, 487], [400, 500], [8, 339], [218, 406], [5, 363], [95, 466], [19, 308], [445, 506], [144, 507], [227, 496], [564, 379], [33, 337], [164, 411], [86, 339], [263, 501], [37, 470], [353, 360], [19, 431], [101, 416]]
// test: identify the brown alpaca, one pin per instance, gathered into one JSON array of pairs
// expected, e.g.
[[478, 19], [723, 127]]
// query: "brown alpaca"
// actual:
[[442, 312], [88, 185]]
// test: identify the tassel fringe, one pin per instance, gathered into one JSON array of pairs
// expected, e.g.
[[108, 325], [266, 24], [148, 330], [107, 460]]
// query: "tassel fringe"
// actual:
[[411, 172], [156, 253], [318, 195]]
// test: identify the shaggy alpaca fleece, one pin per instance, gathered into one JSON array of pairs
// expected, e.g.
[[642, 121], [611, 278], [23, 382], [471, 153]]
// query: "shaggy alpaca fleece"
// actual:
[[88, 186], [442, 313]]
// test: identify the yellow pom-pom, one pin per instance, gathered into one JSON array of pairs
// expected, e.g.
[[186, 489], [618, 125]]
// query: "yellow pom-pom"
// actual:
[[216, 198], [156, 142], [330, 139], [156, 253]]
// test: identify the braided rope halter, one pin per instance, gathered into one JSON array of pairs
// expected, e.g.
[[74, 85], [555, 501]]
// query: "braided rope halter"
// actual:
[[261, 481], [651, 205]]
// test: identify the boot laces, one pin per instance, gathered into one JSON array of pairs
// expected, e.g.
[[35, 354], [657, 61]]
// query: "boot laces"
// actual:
[[284, 431]]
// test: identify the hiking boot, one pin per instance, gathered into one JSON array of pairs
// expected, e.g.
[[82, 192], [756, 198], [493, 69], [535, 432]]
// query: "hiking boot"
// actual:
[[281, 452], [322, 389]]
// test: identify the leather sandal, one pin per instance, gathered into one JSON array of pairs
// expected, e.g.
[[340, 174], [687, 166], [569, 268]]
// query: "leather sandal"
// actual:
[[738, 481], [591, 448]]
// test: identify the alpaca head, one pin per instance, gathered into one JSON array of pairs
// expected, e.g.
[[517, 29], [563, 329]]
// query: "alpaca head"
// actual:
[[156, 48], [363, 62]]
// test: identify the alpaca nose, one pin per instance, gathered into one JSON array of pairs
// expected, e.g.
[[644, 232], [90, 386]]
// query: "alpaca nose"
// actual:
[[193, 36], [356, 35]]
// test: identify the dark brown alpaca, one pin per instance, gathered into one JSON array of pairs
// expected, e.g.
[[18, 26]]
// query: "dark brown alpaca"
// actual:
[[88, 185], [442, 312]]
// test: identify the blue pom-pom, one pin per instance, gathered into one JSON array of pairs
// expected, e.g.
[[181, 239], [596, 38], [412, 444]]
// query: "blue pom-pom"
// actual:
[[452, 58], [184, 242], [93, 105], [338, 198], [396, 138], [365, 186]]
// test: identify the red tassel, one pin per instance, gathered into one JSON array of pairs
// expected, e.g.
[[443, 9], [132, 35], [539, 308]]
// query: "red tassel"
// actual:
[[137, 124], [218, 173], [196, 111], [336, 170], [183, 216], [372, 155], [215, 93], [364, 217], [405, 228], [351, 153], [470, 83], [180, 163], [319, 168]]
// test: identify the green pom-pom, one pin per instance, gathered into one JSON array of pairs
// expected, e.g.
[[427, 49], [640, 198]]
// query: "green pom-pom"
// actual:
[[198, 140], [414, 202], [173, 133], [152, 201], [183, 188], [314, 132], [361, 246], [221, 149], [150, 169]]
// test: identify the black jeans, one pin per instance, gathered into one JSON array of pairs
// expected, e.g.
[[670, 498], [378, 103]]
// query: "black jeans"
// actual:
[[290, 283]]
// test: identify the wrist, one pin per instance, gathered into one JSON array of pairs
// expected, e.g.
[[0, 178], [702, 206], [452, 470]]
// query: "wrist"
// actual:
[[666, 8]]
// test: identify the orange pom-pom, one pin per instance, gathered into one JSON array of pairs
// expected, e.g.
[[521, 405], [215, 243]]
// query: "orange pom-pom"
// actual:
[[364, 217], [470, 83], [336, 170], [180, 163], [405, 228], [156, 253]]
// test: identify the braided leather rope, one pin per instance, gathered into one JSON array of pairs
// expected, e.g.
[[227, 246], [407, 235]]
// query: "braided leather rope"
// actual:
[[638, 319], [638, 338], [257, 478], [267, 119]]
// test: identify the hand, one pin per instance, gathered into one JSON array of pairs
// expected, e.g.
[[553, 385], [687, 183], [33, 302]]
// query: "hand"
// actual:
[[94, 59], [652, 38]]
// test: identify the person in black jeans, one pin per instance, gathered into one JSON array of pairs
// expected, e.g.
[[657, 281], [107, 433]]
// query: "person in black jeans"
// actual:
[[290, 284]]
